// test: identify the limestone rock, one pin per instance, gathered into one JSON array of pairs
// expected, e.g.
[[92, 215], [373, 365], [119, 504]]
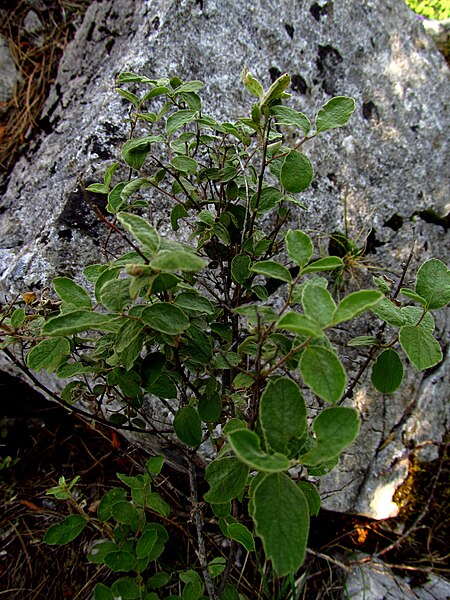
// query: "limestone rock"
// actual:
[[391, 163], [10, 74]]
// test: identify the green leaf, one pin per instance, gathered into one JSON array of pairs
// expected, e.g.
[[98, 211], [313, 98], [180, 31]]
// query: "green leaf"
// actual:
[[154, 465], [240, 268], [421, 348], [312, 496], [115, 294], [72, 293], [301, 324], [97, 188], [101, 592], [104, 511], [227, 478], [48, 354], [318, 304], [109, 174], [184, 163], [276, 90], [281, 518], [66, 531], [364, 340], [289, 116], [158, 580], [389, 312], [268, 199], [132, 186], [240, 533], [124, 512], [247, 447], [271, 268], [323, 264], [17, 318], [115, 198], [107, 275], [146, 543], [252, 84], [189, 86], [178, 212], [322, 371], [178, 119], [99, 550], [296, 172], [188, 426], [165, 317], [141, 230], [128, 96], [134, 152], [194, 304], [75, 322], [177, 260], [299, 247], [282, 414], [433, 283], [413, 296], [335, 428], [120, 560], [356, 303], [387, 372], [197, 348], [335, 113], [126, 588], [413, 315], [210, 408]]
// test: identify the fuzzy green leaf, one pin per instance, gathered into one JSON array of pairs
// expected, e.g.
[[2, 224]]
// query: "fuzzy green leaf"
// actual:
[[281, 518], [299, 247], [227, 478], [247, 447], [188, 426], [48, 354], [76, 322], [323, 264], [66, 531], [177, 260], [266, 201], [335, 428], [135, 151], [312, 496], [288, 116], [387, 372], [165, 317], [141, 230], [421, 348], [282, 414], [178, 119], [240, 268], [252, 84], [433, 283], [323, 372], [271, 268], [318, 304], [184, 163], [356, 303], [301, 324], [115, 294], [240, 533], [335, 113], [72, 293], [296, 172]]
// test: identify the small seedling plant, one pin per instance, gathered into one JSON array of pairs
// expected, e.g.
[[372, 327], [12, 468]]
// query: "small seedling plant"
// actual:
[[224, 324]]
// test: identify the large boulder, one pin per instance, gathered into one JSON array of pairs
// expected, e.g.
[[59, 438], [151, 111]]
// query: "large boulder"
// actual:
[[390, 165]]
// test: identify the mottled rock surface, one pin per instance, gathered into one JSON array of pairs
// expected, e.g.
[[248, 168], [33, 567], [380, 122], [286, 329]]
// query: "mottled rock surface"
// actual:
[[391, 163]]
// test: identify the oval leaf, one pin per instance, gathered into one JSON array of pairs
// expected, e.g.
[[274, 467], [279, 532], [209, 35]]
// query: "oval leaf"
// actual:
[[72, 293], [422, 350], [177, 260], [188, 426], [433, 283], [165, 317], [247, 447], [299, 247], [324, 264], [335, 428], [75, 322], [356, 303], [387, 372], [296, 172], [227, 478], [281, 518], [323, 372], [48, 354], [66, 531], [141, 230], [335, 113], [271, 268]]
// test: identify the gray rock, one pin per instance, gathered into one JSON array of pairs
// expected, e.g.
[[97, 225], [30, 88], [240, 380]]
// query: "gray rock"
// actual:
[[374, 580], [391, 163], [10, 73]]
